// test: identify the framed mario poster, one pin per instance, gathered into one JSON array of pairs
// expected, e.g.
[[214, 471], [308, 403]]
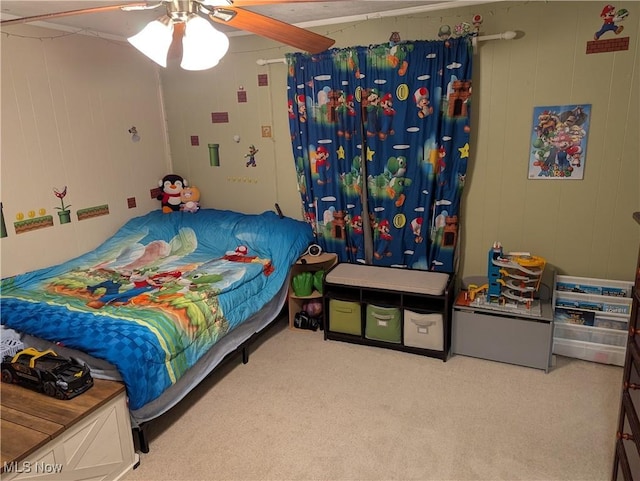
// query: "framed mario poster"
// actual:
[[559, 142]]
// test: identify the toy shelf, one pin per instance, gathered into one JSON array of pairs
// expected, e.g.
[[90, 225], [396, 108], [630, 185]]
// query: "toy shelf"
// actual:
[[307, 263], [591, 317]]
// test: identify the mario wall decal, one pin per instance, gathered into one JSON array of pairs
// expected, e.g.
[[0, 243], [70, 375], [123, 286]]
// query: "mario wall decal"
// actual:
[[611, 21], [606, 38]]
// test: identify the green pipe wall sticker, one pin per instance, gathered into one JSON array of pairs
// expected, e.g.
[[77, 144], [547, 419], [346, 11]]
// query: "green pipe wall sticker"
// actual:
[[214, 155], [3, 228]]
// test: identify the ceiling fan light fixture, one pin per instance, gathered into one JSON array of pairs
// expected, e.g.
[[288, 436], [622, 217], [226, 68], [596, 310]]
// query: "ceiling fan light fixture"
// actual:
[[223, 14], [154, 40], [202, 45]]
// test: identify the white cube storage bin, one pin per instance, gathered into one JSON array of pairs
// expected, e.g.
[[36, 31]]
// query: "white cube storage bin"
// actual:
[[423, 330]]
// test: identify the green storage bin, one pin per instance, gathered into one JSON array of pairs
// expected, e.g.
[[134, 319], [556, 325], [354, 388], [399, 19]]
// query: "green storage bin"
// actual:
[[345, 317], [383, 324]]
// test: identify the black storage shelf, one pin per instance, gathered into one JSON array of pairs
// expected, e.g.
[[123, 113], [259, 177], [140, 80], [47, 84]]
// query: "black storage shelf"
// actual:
[[389, 297], [344, 293], [338, 336]]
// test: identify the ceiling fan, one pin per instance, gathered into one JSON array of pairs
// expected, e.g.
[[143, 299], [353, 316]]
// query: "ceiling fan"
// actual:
[[202, 45]]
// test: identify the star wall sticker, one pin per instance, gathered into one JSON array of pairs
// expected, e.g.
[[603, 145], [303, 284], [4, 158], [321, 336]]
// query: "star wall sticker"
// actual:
[[464, 151], [340, 152]]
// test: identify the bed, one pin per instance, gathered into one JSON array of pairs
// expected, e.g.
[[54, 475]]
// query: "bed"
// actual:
[[162, 302]]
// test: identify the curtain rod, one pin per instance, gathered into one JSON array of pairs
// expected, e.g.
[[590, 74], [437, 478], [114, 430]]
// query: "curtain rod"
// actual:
[[508, 35]]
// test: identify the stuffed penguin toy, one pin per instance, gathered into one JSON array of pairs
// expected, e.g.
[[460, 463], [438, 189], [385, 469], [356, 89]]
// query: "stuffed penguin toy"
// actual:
[[172, 186]]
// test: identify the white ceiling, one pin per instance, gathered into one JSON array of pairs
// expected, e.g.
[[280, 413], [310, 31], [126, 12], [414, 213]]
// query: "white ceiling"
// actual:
[[119, 24]]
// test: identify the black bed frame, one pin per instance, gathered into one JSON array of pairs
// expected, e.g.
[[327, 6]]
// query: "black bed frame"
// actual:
[[139, 431]]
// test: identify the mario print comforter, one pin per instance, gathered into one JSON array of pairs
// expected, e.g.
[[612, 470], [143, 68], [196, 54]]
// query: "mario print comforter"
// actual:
[[158, 294]]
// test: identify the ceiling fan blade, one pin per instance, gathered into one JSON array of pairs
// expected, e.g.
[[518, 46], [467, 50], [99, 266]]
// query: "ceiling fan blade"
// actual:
[[276, 30], [175, 49], [82, 11]]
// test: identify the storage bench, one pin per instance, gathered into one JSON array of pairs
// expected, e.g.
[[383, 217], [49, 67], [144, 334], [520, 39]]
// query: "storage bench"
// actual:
[[394, 308]]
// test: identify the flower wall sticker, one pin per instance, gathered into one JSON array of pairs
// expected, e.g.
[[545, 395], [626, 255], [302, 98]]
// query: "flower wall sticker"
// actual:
[[63, 212]]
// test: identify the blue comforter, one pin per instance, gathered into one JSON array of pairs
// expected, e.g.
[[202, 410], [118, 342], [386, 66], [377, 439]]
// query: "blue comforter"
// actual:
[[154, 297]]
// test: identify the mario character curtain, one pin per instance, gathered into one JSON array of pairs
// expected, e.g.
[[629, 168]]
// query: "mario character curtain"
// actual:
[[380, 137]]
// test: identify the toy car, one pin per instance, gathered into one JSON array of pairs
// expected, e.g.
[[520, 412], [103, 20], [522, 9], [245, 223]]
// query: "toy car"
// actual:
[[47, 372]]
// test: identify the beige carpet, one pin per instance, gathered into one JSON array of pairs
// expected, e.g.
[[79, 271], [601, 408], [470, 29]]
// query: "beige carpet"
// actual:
[[308, 409]]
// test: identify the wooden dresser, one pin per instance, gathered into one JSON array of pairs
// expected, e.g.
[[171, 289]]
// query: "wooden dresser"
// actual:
[[626, 464], [87, 437]]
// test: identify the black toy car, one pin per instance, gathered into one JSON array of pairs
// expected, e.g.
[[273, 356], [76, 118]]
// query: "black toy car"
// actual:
[[47, 372]]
